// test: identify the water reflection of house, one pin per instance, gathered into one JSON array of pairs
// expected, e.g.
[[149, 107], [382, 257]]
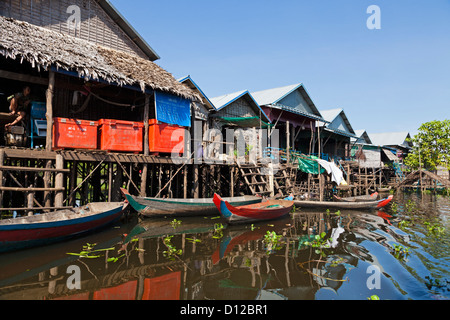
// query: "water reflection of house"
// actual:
[[238, 265]]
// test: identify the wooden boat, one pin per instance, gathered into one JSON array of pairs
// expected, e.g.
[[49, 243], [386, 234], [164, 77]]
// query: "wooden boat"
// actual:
[[43, 229], [361, 205], [371, 197], [264, 211], [151, 207]]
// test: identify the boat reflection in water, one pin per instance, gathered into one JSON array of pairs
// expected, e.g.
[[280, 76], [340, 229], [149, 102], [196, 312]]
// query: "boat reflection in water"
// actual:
[[237, 260], [308, 255]]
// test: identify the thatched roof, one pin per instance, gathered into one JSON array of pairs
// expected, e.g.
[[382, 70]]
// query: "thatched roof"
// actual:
[[44, 48]]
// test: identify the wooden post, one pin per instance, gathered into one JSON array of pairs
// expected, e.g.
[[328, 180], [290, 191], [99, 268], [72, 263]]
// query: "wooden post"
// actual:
[[47, 184], [160, 178], [288, 142], [110, 181], [30, 201], [321, 191], [49, 114], [59, 181], [366, 181], [196, 182], [232, 170], [144, 174], [146, 125], [185, 182], [2, 159]]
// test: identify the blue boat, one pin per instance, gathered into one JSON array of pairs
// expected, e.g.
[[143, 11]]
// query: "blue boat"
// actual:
[[44, 229]]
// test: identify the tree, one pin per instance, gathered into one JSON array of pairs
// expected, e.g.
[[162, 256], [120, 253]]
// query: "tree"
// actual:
[[431, 146]]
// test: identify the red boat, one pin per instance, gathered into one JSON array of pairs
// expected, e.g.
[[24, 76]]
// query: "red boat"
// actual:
[[264, 211]]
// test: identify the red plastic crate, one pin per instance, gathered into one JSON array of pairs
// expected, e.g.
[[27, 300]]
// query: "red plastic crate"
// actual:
[[74, 134], [161, 135], [121, 136]]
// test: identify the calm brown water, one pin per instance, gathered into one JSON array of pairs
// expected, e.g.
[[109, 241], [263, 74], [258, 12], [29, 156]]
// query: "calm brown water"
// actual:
[[196, 259]]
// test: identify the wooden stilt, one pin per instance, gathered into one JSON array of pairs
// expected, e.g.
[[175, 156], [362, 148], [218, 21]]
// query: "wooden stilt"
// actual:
[[30, 201], [110, 181], [144, 175], [185, 183], [2, 160], [49, 114], [196, 182], [59, 181]]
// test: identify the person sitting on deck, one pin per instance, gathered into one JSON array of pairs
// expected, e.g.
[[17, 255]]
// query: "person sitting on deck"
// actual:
[[19, 106]]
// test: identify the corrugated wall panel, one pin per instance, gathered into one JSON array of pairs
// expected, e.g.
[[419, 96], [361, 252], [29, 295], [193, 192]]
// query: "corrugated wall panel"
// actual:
[[95, 26]]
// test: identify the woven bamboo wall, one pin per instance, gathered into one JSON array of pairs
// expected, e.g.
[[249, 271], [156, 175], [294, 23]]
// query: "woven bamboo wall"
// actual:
[[95, 24]]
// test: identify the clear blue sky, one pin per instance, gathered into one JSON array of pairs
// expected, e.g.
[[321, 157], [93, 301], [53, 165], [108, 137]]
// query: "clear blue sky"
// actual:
[[391, 79]]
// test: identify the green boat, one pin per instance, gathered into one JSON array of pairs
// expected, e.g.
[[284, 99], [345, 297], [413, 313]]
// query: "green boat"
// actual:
[[154, 207]]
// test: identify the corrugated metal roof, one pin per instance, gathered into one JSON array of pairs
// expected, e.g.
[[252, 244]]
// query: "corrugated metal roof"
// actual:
[[331, 116], [362, 135], [272, 97], [221, 102], [391, 139]]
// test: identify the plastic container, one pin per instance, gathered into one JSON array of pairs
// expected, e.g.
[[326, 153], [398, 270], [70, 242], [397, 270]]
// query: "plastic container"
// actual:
[[166, 138], [74, 134], [121, 136]]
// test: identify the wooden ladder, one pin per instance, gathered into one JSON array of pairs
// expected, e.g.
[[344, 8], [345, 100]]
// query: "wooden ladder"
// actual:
[[255, 180], [284, 180]]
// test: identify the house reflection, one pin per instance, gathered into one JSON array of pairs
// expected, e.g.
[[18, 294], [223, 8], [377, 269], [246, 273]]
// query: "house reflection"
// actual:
[[215, 262]]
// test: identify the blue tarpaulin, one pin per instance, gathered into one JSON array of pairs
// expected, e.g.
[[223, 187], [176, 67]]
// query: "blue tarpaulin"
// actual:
[[172, 109]]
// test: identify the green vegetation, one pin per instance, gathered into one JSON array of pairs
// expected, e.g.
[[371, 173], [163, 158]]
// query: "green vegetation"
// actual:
[[431, 146], [400, 252], [172, 252], [89, 251], [175, 223], [218, 231], [320, 242], [272, 241]]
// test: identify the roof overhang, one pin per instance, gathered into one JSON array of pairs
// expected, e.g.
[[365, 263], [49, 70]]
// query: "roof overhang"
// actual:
[[340, 132], [297, 112], [191, 83]]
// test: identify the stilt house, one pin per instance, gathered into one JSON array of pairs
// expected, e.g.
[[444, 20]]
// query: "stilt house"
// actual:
[[293, 113], [336, 135], [94, 89]]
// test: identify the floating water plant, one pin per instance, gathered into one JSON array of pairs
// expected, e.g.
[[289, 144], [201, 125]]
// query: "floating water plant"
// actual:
[[218, 231], [400, 252], [404, 224], [272, 241], [435, 229], [171, 251], [320, 242], [175, 223], [89, 252]]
